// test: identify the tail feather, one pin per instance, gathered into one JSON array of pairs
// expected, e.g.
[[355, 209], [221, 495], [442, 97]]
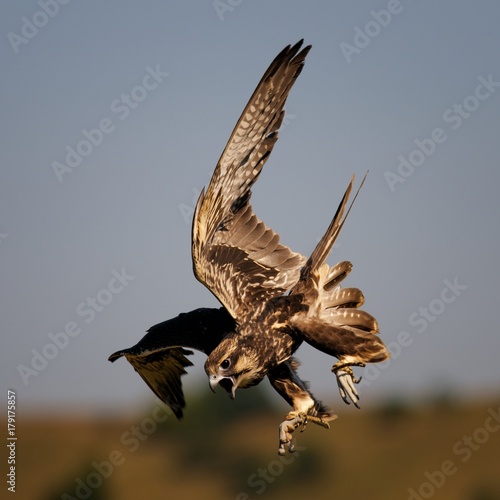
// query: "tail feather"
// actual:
[[332, 322], [351, 318], [343, 297], [336, 274], [349, 344], [324, 246]]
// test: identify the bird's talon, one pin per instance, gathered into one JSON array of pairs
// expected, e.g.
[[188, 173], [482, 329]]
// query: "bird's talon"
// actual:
[[321, 421], [293, 421], [345, 381], [287, 427]]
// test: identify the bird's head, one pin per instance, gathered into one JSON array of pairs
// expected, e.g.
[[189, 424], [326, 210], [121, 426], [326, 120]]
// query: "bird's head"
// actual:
[[232, 364]]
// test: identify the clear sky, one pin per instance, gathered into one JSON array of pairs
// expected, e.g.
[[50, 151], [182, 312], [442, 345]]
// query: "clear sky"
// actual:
[[115, 113]]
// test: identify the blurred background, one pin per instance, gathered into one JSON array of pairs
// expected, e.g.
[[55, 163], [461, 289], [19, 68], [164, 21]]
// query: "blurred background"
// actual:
[[113, 117]]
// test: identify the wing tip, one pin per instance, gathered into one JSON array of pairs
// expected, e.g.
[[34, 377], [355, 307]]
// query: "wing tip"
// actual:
[[290, 55], [116, 355], [178, 411]]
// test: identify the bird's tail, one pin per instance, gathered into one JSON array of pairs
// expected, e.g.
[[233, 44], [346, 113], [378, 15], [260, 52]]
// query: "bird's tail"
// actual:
[[324, 246], [333, 321], [328, 302]]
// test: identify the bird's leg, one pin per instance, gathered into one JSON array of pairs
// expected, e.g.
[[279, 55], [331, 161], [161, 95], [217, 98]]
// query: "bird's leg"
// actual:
[[295, 419], [346, 380], [306, 408], [286, 429]]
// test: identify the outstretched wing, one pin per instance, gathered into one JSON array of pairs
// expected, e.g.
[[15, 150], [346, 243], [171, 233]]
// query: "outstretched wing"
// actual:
[[333, 322], [235, 254], [160, 356]]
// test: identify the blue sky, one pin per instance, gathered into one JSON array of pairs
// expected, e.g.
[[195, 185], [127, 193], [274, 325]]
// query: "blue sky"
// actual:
[[146, 94]]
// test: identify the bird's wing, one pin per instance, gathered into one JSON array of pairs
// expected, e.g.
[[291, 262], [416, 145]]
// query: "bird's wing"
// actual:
[[346, 338], [332, 321], [325, 245], [162, 371], [160, 356], [235, 254]]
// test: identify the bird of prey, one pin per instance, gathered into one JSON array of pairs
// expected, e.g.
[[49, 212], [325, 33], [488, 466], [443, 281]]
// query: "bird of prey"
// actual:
[[273, 299]]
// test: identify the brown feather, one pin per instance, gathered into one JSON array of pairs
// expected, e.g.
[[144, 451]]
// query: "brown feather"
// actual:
[[162, 371], [359, 345], [352, 317], [343, 297], [295, 392], [337, 274], [223, 216]]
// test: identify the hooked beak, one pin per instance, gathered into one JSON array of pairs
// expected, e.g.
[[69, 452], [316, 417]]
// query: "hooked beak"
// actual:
[[227, 383]]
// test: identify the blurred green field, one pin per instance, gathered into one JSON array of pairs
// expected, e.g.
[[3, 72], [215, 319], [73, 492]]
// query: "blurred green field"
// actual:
[[441, 449]]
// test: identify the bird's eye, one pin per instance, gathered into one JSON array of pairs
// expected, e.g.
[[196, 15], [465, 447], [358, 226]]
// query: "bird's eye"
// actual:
[[225, 364]]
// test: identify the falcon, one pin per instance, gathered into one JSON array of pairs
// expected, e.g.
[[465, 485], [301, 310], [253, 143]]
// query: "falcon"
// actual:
[[273, 299]]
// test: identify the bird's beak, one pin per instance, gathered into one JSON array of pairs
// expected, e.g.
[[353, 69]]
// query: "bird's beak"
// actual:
[[227, 383]]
